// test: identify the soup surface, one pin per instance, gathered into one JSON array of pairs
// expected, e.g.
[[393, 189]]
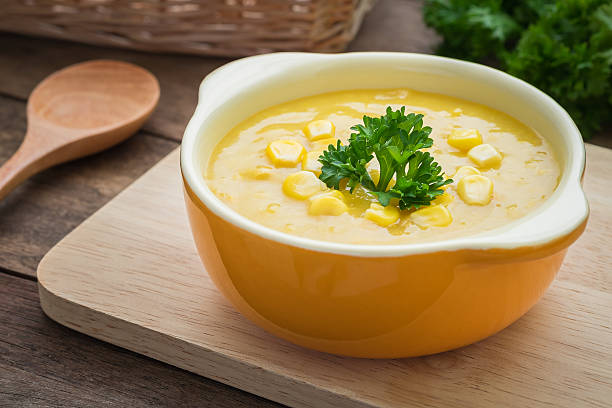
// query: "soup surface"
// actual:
[[511, 170]]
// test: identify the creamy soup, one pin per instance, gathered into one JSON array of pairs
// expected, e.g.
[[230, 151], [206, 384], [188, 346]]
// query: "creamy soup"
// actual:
[[266, 169]]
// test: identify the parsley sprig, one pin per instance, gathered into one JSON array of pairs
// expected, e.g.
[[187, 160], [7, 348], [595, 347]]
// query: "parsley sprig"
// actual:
[[395, 140]]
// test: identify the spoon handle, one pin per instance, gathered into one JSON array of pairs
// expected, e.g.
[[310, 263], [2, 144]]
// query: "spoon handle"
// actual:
[[26, 162]]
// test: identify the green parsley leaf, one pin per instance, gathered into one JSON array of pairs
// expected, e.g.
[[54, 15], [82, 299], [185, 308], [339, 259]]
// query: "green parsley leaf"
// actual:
[[396, 141]]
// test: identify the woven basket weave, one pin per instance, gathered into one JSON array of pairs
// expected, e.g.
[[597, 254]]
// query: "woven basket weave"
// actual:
[[209, 27]]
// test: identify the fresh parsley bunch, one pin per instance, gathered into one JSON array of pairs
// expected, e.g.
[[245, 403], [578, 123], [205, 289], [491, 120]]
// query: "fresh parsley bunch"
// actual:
[[396, 141], [563, 47]]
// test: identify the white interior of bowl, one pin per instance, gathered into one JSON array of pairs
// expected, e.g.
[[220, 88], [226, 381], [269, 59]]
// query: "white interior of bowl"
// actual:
[[242, 88]]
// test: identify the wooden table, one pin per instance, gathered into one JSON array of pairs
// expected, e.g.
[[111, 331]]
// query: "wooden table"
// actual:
[[43, 363]]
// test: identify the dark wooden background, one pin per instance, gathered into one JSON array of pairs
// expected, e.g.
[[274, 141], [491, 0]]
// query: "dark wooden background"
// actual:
[[43, 363]]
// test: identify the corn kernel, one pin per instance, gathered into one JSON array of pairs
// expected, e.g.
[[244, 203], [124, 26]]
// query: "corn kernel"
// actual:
[[434, 215], [327, 204], [464, 171], [285, 153], [383, 216], [329, 193], [310, 162], [443, 199], [323, 144], [475, 190], [257, 172], [464, 139], [485, 156], [319, 129], [375, 175], [302, 185]]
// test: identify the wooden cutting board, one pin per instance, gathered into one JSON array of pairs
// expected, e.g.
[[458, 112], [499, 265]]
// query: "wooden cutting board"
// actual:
[[129, 275]]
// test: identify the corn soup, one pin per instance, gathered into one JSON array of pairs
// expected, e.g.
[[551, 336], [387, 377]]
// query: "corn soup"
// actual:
[[267, 168]]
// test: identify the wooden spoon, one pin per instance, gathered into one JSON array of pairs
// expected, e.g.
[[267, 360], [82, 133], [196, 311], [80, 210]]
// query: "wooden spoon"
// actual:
[[78, 111]]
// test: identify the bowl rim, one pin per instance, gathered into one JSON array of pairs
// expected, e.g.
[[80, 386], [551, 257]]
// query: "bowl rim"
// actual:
[[568, 194]]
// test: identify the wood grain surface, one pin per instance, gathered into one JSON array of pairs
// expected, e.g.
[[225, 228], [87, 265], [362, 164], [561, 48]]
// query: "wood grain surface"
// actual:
[[129, 275], [45, 364]]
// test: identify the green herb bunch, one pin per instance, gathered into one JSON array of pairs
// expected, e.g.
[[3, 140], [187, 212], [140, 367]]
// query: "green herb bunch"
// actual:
[[396, 141], [563, 47]]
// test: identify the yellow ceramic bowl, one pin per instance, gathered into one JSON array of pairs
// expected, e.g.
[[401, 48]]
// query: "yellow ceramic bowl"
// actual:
[[371, 300]]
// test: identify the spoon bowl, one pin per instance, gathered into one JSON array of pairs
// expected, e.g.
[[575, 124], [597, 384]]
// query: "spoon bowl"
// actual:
[[80, 110]]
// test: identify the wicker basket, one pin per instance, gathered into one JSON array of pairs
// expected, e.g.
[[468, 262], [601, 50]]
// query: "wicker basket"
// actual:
[[210, 27]]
